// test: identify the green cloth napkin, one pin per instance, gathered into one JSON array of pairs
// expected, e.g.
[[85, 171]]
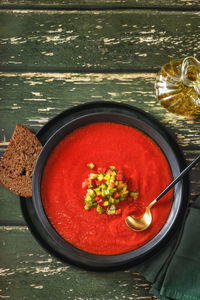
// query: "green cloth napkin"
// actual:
[[175, 270]]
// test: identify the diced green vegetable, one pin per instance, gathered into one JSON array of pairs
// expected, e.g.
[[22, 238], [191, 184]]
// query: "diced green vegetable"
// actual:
[[99, 209], [111, 200], [87, 207], [111, 210], [88, 197], [133, 194], [93, 175], [100, 177], [91, 165], [107, 192], [91, 193], [107, 177], [103, 186], [112, 168]]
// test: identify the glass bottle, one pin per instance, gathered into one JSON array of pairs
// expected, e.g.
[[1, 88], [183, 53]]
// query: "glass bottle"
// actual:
[[178, 86]]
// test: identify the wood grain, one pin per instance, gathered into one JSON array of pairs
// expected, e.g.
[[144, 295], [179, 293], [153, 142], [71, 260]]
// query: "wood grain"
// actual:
[[117, 40], [25, 263], [57, 54], [180, 4], [34, 98]]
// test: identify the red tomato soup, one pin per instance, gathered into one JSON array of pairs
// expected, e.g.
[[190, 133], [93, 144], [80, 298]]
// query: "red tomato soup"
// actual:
[[144, 167]]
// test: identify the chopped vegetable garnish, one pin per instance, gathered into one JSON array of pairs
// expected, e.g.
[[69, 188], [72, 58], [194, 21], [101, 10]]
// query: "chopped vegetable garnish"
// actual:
[[105, 190], [134, 195], [91, 165]]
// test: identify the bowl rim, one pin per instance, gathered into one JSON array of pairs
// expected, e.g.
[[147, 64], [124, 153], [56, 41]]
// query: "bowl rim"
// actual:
[[142, 121]]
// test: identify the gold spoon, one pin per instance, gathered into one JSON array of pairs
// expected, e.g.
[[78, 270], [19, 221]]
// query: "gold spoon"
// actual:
[[143, 222]]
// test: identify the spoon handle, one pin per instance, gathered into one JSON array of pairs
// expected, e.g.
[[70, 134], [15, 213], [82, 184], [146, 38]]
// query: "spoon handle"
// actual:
[[185, 171]]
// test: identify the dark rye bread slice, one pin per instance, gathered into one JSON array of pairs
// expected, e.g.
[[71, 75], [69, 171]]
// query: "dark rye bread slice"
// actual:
[[17, 163]]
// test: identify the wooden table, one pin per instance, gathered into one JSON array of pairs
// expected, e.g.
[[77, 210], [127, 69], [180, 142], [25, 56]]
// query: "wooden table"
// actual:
[[57, 54]]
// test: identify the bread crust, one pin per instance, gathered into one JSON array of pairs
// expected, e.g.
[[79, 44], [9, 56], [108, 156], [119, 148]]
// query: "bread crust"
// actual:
[[17, 163]]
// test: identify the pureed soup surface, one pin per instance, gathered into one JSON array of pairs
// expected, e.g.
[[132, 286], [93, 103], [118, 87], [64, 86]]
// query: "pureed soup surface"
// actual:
[[143, 165]]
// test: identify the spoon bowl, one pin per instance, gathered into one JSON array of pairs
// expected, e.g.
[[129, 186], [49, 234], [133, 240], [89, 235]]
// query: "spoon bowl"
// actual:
[[143, 222]]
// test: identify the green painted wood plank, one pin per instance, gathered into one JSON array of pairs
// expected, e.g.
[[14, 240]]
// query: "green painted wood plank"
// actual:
[[120, 40], [34, 98], [186, 4], [10, 212], [28, 272]]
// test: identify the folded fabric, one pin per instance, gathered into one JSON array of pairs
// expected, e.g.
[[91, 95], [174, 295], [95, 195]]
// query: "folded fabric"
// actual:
[[175, 270]]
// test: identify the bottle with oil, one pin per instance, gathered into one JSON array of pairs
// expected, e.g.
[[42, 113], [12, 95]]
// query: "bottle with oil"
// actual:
[[178, 86]]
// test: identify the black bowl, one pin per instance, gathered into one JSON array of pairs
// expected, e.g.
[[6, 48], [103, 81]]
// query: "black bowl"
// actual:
[[59, 127]]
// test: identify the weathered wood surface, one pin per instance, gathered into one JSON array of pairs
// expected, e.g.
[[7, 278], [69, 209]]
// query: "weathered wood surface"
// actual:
[[25, 263], [180, 4], [34, 98], [119, 40], [57, 54]]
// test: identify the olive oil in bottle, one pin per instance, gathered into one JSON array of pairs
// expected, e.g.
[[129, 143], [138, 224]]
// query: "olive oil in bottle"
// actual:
[[178, 86]]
